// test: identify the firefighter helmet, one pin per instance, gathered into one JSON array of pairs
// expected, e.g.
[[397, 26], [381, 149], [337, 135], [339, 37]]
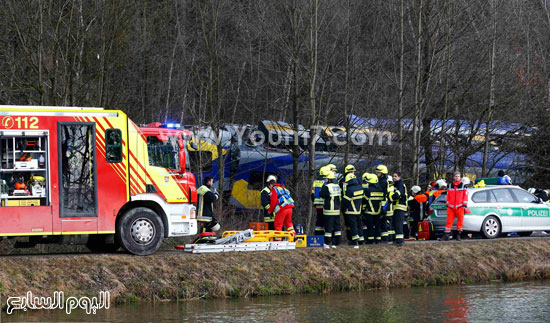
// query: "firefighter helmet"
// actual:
[[324, 171], [416, 189], [332, 167], [271, 178], [330, 175], [370, 178], [441, 183], [349, 177], [349, 169], [381, 169], [390, 180]]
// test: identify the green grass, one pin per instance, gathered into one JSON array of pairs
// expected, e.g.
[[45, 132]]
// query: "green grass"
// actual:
[[179, 276]]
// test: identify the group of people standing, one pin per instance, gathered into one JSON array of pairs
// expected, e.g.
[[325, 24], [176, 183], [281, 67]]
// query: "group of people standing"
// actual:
[[374, 207]]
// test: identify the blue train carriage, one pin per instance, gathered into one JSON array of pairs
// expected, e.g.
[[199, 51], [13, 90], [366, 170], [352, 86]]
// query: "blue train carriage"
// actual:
[[248, 164]]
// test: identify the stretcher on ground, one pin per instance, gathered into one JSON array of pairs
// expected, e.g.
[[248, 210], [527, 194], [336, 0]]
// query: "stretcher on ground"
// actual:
[[265, 236]]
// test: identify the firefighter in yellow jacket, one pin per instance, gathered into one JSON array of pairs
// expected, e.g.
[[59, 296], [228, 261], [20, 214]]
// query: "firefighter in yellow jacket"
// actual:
[[331, 195], [317, 200], [265, 199], [373, 218], [351, 204]]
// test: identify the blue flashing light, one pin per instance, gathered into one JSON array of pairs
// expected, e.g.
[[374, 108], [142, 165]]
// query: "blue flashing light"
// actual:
[[171, 125]]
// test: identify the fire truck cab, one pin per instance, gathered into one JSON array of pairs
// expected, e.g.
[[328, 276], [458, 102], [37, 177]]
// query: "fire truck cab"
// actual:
[[91, 176]]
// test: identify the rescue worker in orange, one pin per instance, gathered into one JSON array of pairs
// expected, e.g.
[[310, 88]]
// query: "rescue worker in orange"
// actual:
[[457, 201], [281, 205]]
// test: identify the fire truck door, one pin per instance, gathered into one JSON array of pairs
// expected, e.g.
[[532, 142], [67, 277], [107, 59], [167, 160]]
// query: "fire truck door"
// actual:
[[77, 177]]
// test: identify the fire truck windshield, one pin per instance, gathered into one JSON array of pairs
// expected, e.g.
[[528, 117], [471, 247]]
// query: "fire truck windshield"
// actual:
[[163, 153]]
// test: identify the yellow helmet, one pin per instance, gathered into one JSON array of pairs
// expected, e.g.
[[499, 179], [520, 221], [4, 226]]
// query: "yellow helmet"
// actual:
[[331, 167], [330, 175], [349, 177], [349, 168], [324, 171], [370, 178], [381, 169]]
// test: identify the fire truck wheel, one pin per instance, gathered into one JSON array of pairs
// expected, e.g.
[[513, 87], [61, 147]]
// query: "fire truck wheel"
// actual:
[[140, 231]]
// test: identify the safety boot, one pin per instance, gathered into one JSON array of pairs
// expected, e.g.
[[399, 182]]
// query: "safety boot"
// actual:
[[445, 236], [458, 233]]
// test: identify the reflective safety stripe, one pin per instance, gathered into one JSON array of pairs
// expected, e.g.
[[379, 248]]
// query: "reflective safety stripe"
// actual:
[[283, 198], [328, 234], [355, 238], [338, 233], [204, 218], [391, 232], [399, 236], [401, 207], [317, 185]]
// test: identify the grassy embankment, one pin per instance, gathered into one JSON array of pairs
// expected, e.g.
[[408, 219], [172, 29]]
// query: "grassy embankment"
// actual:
[[178, 276]]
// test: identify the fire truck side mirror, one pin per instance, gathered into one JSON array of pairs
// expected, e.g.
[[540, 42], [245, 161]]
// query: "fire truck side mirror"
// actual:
[[181, 154]]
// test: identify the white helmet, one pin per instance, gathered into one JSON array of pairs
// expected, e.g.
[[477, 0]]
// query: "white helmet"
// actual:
[[271, 178], [216, 227], [441, 183], [416, 189], [532, 190], [466, 181]]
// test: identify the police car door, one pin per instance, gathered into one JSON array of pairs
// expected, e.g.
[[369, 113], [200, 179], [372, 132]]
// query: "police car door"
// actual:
[[508, 209], [535, 215]]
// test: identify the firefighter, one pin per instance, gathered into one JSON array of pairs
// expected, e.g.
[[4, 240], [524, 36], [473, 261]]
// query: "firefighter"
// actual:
[[391, 202], [207, 196], [265, 199], [457, 201], [331, 194], [351, 203], [318, 201], [417, 209], [281, 204], [381, 172], [372, 208], [349, 169], [401, 207]]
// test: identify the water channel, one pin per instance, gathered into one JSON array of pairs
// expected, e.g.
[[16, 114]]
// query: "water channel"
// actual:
[[497, 302]]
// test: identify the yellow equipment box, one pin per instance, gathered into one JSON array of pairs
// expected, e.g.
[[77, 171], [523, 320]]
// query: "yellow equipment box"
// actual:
[[300, 241], [263, 236], [23, 202]]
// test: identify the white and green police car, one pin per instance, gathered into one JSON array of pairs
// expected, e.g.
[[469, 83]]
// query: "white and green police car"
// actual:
[[496, 210]]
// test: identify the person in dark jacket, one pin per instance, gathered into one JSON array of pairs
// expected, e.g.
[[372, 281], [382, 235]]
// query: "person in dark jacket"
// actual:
[[351, 205], [400, 208], [207, 196], [265, 199], [318, 201], [417, 209], [373, 199], [331, 194]]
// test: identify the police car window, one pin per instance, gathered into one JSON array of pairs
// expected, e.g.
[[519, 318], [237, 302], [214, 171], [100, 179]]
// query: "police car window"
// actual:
[[441, 199], [480, 197], [503, 196], [524, 197]]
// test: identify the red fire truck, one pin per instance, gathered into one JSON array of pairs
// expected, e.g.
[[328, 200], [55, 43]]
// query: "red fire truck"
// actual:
[[91, 176]]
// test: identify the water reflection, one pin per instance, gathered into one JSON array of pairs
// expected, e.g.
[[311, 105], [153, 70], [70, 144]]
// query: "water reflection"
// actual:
[[518, 302]]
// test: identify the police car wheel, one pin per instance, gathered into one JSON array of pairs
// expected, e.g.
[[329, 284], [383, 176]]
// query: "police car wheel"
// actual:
[[140, 231], [490, 228]]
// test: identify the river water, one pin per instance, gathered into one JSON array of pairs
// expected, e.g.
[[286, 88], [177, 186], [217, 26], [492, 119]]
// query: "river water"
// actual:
[[512, 302]]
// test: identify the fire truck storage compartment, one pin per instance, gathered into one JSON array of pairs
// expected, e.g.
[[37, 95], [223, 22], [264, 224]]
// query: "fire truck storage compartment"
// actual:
[[23, 168]]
